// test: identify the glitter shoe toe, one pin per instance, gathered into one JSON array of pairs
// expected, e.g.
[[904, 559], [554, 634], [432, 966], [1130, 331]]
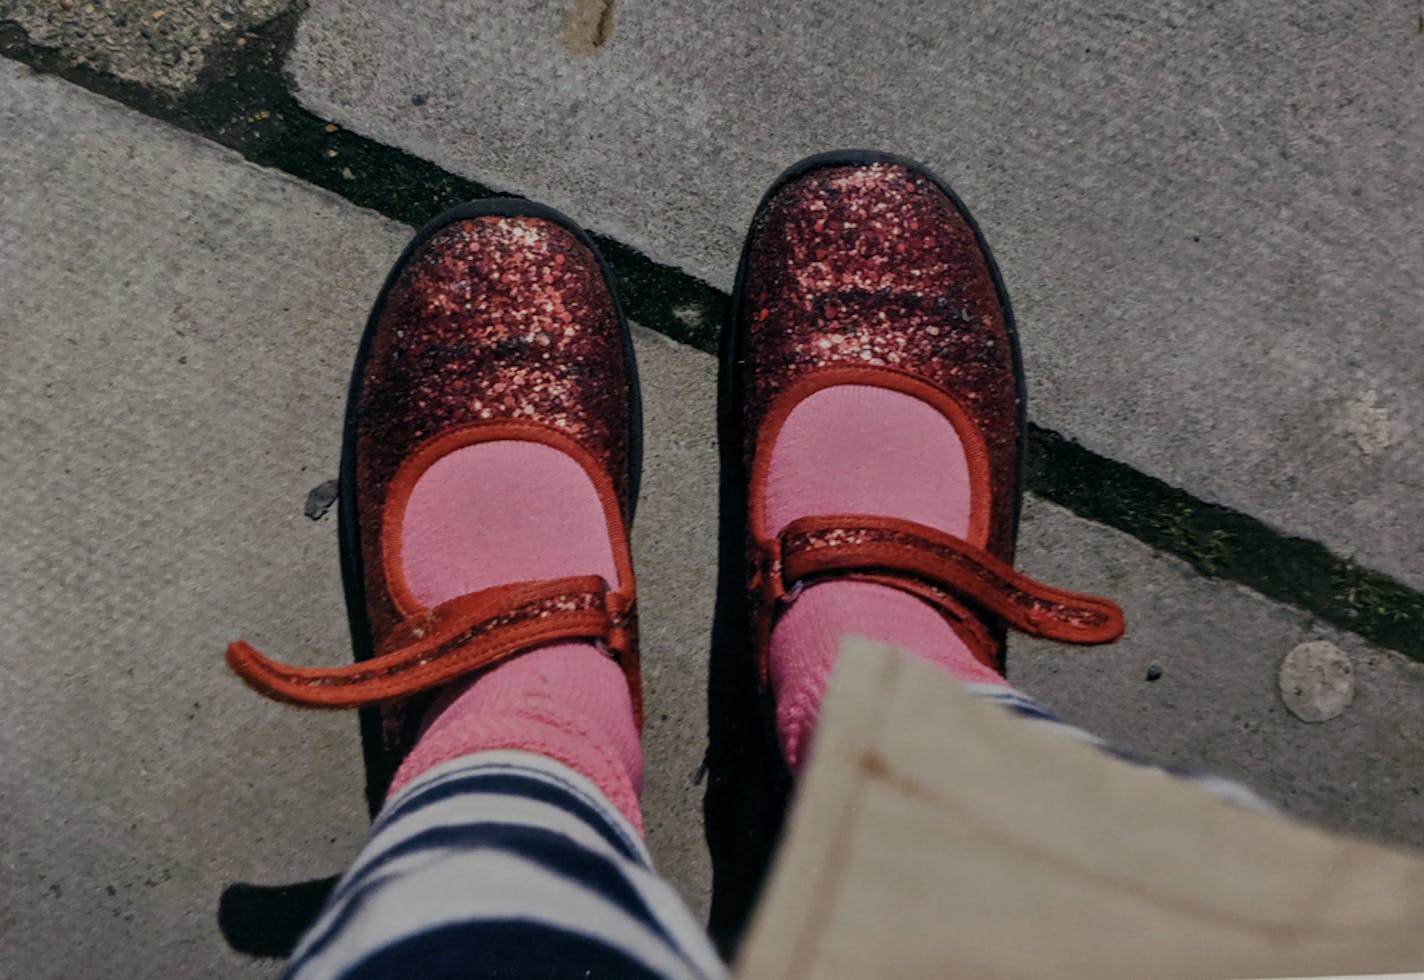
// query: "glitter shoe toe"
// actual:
[[860, 269], [498, 322]]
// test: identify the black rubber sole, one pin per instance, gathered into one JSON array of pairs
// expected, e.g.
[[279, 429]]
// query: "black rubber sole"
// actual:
[[748, 785], [381, 764]]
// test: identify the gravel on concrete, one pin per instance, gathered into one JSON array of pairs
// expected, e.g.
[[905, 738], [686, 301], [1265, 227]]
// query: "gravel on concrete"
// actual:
[[153, 43]]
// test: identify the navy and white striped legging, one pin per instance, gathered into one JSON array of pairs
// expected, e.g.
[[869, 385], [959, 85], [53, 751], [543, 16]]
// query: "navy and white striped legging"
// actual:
[[508, 864]]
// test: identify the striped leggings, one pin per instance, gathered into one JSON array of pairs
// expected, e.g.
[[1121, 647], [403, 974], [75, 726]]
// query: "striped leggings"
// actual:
[[508, 864]]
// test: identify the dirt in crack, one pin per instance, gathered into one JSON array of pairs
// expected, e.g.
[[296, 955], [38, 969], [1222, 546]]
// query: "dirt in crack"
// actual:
[[587, 25]]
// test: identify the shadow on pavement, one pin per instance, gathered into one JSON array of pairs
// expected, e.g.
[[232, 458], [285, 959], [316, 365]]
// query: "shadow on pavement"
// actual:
[[268, 920]]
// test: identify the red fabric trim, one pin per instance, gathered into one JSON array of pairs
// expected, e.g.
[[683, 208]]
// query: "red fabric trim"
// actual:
[[466, 634], [431, 647], [624, 641], [429, 452], [927, 561], [975, 450]]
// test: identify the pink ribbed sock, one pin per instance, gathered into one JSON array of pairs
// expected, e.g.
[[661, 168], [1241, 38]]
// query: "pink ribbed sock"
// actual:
[[502, 512], [855, 449]]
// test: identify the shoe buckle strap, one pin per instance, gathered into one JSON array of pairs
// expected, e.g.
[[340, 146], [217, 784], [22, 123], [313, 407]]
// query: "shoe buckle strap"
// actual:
[[459, 637], [936, 566]]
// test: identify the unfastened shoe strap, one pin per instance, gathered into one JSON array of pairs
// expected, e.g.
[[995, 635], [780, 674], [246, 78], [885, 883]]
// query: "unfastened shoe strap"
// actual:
[[928, 562], [466, 634]]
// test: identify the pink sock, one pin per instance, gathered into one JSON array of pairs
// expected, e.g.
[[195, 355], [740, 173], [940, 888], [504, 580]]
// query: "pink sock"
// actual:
[[501, 512], [856, 449]]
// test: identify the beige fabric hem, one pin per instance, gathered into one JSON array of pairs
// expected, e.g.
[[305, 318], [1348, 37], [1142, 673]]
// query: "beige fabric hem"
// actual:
[[937, 835]]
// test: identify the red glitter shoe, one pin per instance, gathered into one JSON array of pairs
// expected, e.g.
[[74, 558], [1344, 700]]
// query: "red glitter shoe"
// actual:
[[860, 269], [498, 322]]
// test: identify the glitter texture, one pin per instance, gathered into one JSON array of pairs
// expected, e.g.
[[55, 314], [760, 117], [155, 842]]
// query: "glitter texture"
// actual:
[[1046, 612], [521, 615], [436, 646], [492, 319], [390, 664], [874, 266]]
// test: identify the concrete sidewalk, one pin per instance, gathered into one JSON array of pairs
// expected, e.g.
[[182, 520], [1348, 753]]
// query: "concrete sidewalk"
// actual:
[[1208, 215], [179, 325]]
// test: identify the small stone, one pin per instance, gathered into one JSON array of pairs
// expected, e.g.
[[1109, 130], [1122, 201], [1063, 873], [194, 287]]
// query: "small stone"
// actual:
[[1317, 681], [1154, 672], [331, 127], [321, 498], [347, 174], [418, 100]]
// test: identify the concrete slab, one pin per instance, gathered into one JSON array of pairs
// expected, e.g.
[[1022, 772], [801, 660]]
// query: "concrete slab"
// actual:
[[1196, 682], [175, 321], [150, 42], [675, 548], [1208, 215], [179, 326]]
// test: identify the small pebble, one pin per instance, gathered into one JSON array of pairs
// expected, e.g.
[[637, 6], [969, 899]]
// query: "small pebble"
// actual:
[[1154, 672], [1317, 681], [320, 499], [417, 100]]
